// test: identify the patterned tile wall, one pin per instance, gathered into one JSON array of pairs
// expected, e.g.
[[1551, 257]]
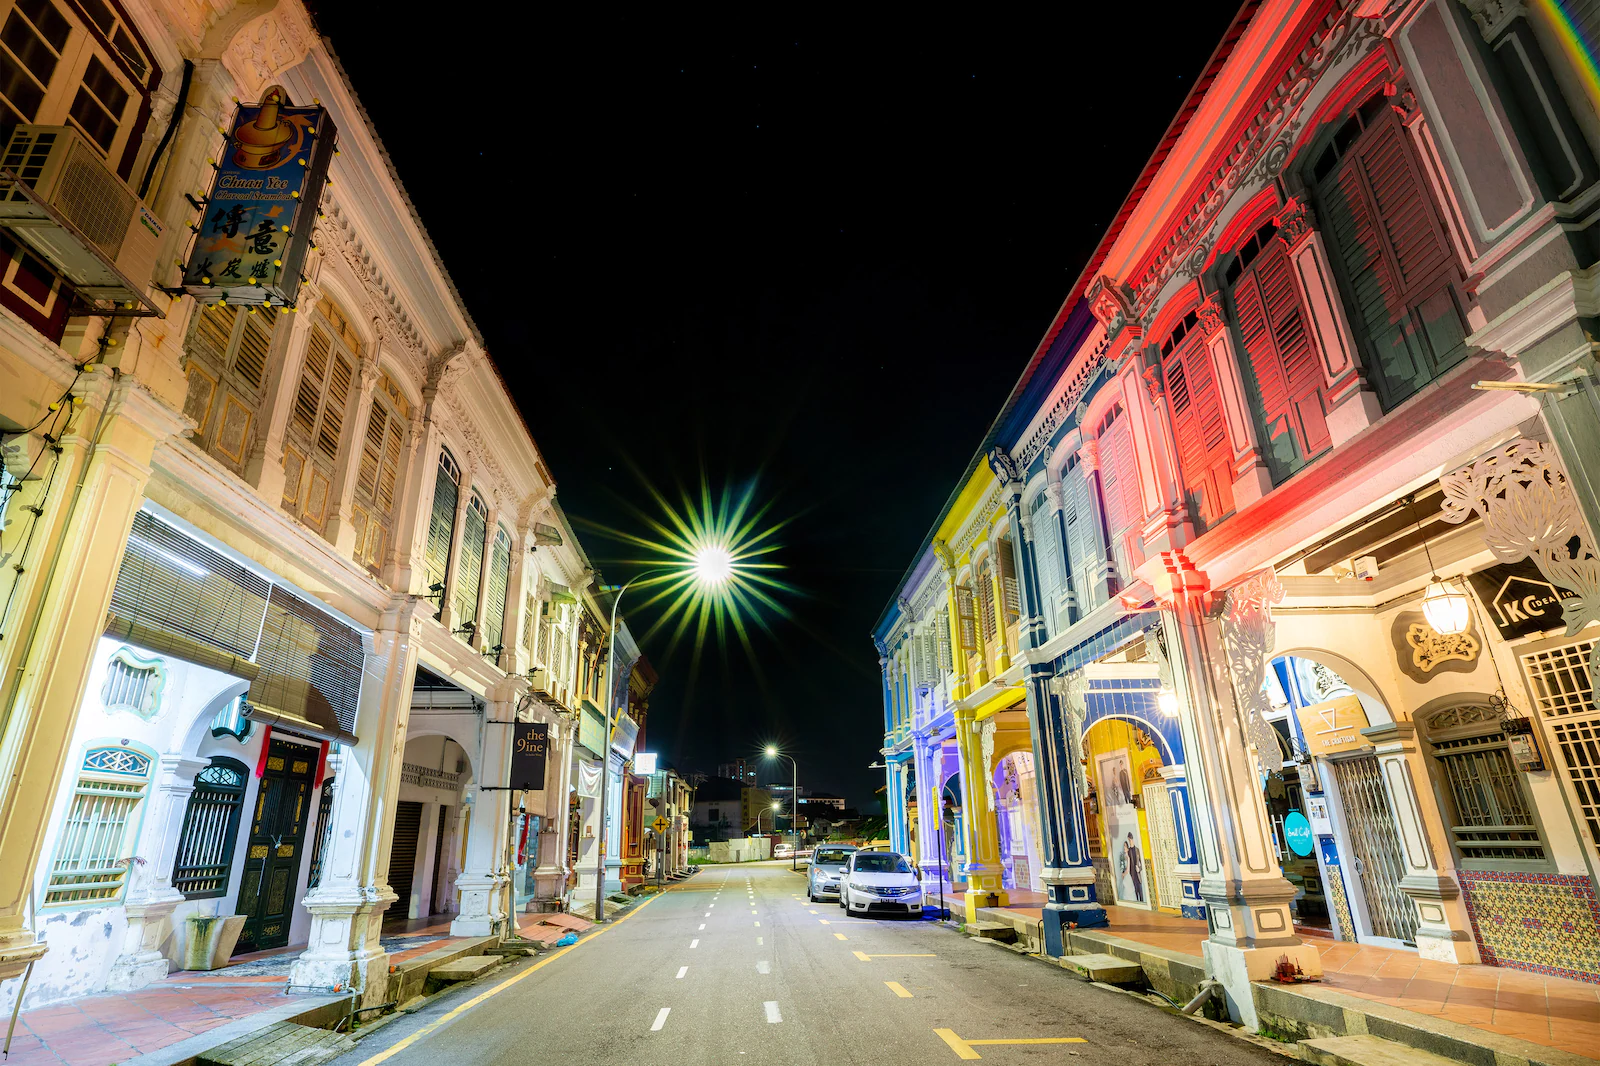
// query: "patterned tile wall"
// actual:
[[1547, 923]]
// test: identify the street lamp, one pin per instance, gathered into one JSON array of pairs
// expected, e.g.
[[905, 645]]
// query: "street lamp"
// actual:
[[711, 564], [794, 797], [775, 808]]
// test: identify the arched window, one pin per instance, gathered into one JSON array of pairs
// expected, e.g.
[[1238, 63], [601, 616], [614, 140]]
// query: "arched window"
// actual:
[[315, 434], [469, 571], [497, 590], [1047, 558], [1280, 360], [1205, 456], [225, 357], [442, 525], [1389, 242], [372, 509], [98, 835], [210, 829]]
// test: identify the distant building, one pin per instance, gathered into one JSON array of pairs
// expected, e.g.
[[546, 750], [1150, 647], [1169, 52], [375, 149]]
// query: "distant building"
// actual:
[[742, 770], [725, 807], [821, 799]]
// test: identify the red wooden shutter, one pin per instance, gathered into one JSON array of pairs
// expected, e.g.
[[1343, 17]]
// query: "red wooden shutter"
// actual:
[[1204, 454], [1274, 325]]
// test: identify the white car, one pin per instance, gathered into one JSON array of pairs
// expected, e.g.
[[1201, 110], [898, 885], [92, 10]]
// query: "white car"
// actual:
[[880, 882]]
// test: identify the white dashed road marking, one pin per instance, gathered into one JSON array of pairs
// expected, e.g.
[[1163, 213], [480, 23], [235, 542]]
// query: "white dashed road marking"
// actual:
[[763, 966], [681, 971], [772, 1011], [693, 944], [661, 1019]]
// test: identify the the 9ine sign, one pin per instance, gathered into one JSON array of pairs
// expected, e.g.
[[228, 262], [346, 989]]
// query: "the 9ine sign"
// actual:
[[530, 746]]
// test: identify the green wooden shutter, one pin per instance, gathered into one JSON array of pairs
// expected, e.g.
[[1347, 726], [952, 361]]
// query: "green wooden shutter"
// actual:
[[469, 571], [441, 526], [494, 607]]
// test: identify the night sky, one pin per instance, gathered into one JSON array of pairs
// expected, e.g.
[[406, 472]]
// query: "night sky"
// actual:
[[809, 254]]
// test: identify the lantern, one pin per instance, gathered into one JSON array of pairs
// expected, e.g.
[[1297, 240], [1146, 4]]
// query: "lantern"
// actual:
[[1444, 605]]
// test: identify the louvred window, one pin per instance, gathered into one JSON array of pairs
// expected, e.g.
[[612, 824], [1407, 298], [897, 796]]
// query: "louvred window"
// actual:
[[1205, 458]]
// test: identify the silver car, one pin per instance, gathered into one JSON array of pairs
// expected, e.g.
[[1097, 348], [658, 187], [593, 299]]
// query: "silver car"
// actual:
[[827, 864]]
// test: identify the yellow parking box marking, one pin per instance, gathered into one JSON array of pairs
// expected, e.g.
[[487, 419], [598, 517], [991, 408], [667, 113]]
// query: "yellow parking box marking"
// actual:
[[840, 936], [963, 1048], [863, 956], [898, 989], [957, 1045]]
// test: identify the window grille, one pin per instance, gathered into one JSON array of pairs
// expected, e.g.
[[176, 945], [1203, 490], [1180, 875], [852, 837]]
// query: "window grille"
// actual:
[[442, 526], [132, 684], [497, 590], [91, 855], [210, 829], [1564, 695], [320, 842], [231, 720], [1493, 820], [469, 571]]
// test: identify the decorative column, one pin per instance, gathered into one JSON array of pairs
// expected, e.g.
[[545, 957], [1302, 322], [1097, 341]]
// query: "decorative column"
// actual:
[[1352, 404], [899, 834], [1068, 870], [1223, 646], [151, 898], [550, 877], [348, 904], [57, 626], [263, 466], [485, 880], [1444, 929], [985, 876]]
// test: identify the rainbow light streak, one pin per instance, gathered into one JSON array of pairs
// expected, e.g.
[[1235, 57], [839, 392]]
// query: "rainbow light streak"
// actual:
[[714, 552], [1577, 51]]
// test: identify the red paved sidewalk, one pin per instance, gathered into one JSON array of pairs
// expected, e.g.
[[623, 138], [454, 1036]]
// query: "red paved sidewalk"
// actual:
[[97, 1030]]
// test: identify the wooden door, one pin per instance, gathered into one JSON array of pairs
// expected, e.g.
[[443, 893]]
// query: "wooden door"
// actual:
[[277, 832]]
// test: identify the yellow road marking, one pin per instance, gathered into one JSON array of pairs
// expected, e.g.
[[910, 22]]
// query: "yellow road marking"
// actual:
[[898, 989], [823, 921], [963, 1048], [401, 1045], [840, 936], [864, 957], [811, 912]]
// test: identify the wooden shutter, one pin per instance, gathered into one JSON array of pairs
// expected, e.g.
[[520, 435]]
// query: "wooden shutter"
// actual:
[[966, 615], [1397, 260], [1010, 599], [372, 512], [1047, 558], [1083, 539], [946, 663], [1205, 456], [498, 589], [1275, 329], [1119, 480], [441, 526], [225, 355], [469, 571], [983, 579]]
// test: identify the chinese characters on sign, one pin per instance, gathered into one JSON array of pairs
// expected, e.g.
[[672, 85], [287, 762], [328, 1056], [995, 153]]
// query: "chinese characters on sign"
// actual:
[[256, 230], [530, 745]]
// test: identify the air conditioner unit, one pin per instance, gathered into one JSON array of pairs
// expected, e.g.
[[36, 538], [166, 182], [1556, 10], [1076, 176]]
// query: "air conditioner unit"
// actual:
[[77, 214], [539, 682]]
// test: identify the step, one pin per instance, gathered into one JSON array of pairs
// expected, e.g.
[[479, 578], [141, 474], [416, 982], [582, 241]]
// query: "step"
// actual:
[[1366, 1050], [1105, 968], [463, 969], [284, 1044], [992, 931]]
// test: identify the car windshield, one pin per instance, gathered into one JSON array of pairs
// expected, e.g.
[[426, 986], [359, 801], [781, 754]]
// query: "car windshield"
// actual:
[[882, 863], [833, 856]]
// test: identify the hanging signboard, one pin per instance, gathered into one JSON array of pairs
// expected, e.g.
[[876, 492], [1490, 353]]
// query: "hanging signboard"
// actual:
[[530, 746], [624, 736], [592, 729], [1518, 600], [1334, 727], [256, 230]]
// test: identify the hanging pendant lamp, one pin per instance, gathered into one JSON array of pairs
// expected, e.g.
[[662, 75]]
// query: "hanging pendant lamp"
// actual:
[[1444, 603]]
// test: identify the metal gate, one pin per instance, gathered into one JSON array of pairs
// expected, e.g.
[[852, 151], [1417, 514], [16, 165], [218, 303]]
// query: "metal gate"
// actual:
[[1163, 846], [1377, 848]]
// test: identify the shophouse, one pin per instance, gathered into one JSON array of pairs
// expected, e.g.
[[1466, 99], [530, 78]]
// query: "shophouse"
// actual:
[[1301, 472], [283, 558]]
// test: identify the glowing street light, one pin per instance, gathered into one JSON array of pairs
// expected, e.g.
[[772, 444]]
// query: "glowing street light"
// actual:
[[713, 564], [794, 797]]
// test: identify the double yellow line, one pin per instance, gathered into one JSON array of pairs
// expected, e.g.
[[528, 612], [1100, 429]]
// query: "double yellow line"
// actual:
[[451, 1015]]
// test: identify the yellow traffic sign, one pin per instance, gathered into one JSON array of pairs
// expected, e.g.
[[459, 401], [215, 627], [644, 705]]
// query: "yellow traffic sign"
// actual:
[[660, 825]]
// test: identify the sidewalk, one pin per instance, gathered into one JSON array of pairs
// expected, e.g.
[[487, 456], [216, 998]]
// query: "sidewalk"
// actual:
[[1555, 1012], [113, 1027]]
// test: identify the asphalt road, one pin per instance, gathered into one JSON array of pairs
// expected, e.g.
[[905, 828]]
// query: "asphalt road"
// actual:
[[734, 966]]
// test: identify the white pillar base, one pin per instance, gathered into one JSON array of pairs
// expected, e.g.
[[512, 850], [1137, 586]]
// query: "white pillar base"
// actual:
[[1237, 967], [141, 962], [483, 905], [344, 952]]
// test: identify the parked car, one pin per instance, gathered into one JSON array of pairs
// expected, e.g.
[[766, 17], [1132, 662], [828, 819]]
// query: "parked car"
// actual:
[[827, 863], [884, 882]]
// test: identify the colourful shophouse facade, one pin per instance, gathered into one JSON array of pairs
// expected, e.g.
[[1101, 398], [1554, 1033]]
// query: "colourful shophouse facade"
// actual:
[[1333, 351]]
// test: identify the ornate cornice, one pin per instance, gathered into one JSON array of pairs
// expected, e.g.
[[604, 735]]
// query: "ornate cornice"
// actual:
[[1259, 155], [336, 226], [1077, 384]]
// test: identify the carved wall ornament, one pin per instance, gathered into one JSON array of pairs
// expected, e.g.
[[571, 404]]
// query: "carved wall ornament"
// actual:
[[1295, 221], [941, 551], [1528, 510], [1493, 16], [1004, 467], [1152, 383], [1454, 717], [1247, 642], [1111, 303], [1429, 648], [986, 744]]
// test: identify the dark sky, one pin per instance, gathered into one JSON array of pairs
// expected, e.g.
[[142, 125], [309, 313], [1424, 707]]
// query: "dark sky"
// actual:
[[810, 253]]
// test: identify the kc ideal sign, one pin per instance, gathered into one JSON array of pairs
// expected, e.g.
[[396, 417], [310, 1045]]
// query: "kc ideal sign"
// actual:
[[1519, 600]]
